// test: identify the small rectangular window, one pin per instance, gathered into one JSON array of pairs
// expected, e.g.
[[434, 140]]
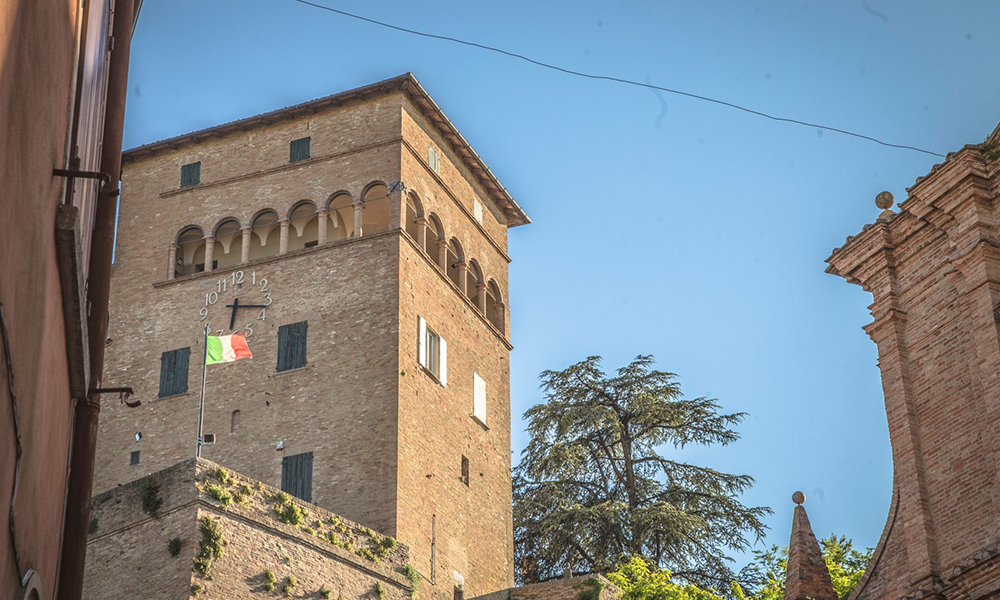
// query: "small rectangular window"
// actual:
[[312, 244], [297, 474], [134, 459], [292, 346], [191, 174], [477, 210], [434, 159], [478, 398], [174, 372], [299, 149], [465, 470], [432, 351]]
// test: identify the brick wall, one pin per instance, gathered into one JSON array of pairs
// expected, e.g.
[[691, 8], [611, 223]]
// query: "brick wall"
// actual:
[[129, 555], [572, 588], [934, 273]]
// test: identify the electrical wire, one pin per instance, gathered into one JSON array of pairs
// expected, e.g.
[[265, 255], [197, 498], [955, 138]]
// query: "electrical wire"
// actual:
[[622, 80], [17, 440]]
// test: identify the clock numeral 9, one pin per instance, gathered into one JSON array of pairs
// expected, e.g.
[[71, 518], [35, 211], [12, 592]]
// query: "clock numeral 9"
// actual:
[[211, 298], [204, 314]]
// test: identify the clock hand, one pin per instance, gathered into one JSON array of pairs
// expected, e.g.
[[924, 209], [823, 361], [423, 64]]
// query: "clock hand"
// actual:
[[235, 306]]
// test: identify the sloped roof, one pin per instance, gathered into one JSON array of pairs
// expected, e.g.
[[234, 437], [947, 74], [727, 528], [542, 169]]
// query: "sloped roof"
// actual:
[[406, 83]]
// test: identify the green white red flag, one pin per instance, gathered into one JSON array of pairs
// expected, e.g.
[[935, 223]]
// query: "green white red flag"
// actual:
[[226, 348]]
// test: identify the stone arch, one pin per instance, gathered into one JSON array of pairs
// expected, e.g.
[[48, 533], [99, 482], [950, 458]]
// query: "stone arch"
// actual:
[[474, 279], [456, 262], [432, 245], [228, 235], [341, 208], [495, 310], [414, 211], [265, 236], [190, 259], [303, 231], [376, 203]]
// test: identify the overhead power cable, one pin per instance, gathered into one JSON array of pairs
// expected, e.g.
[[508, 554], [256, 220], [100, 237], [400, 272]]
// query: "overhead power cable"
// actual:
[[620, 80]]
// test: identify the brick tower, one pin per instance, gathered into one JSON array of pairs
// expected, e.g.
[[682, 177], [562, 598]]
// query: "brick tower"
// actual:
[[933, 269], [373, 238]]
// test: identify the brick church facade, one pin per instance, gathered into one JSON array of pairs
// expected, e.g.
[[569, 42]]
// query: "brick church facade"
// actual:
[[372, 241], [933, 269]]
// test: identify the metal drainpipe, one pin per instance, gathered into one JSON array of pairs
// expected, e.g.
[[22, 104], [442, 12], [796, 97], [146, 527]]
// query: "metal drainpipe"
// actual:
[[81, 479]]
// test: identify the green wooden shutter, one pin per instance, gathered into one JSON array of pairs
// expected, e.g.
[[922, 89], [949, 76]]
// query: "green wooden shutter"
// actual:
[[174, 372], [292, 346], [296, 475]]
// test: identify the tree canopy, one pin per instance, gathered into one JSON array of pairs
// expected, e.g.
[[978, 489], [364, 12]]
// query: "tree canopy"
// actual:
[[593, 487]]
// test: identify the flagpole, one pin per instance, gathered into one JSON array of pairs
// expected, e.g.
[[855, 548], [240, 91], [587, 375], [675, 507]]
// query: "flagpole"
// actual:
[[201, 405]]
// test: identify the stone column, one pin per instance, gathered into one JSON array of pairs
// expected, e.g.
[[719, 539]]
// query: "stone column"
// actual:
[[245, 250], [209, 252], [481, 297], [358, 207], [443, 255], [172, 259], [421, 232], [324, 219], [498, 316], [463, 279], [283, 244], [396, 212]]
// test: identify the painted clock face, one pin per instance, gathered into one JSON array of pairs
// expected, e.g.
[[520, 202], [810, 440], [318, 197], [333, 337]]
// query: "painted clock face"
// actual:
[[235, 303]]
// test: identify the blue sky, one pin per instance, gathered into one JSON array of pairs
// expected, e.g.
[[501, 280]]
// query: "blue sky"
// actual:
[[662, 225]]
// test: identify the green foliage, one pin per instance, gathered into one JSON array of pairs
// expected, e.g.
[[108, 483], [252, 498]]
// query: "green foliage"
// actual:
[[222, 476], [269, 579], [211, 546], [325, 592], [379, 590], [366, 554], [149, 492], [414, 578], [309, 530], [591, 486], [94, 524], [288, 512], [592, 589], [197, 588], [640, 579], [220, 493], [846, 566], [174, 546], [384, 546], [289, 586]]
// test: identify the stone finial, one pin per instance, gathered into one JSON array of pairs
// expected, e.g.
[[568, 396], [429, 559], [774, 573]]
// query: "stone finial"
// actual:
[[884, 200], [806, 576]]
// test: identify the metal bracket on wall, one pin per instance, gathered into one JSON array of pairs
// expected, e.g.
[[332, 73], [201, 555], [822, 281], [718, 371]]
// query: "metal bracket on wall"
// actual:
[[123, 394], [74, 173]]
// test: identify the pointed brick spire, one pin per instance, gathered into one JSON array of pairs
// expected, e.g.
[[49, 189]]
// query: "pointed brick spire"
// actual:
[[807, 577]]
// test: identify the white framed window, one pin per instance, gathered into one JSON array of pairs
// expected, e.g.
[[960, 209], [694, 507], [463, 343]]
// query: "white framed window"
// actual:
[[479, 398], [432, 351], [433, 159], [477, 210]]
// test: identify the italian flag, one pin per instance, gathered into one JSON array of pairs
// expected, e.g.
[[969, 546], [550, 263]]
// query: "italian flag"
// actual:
[[226, 348]]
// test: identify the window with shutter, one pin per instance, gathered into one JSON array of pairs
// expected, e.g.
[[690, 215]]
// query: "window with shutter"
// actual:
[[292, 346], [191, 174], [477, 210], [465, 470], [434, 159], [299, 149], [478, 398], [134, 459], [432, 351], [296, 475], [174, 372]]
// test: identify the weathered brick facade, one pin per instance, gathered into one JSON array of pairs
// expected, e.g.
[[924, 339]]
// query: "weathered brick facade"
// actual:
[[933, 269], [596, 587], [129, 553], [387, 436]]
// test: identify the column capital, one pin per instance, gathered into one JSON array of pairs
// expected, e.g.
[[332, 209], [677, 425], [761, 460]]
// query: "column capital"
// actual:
[[322, 211]]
